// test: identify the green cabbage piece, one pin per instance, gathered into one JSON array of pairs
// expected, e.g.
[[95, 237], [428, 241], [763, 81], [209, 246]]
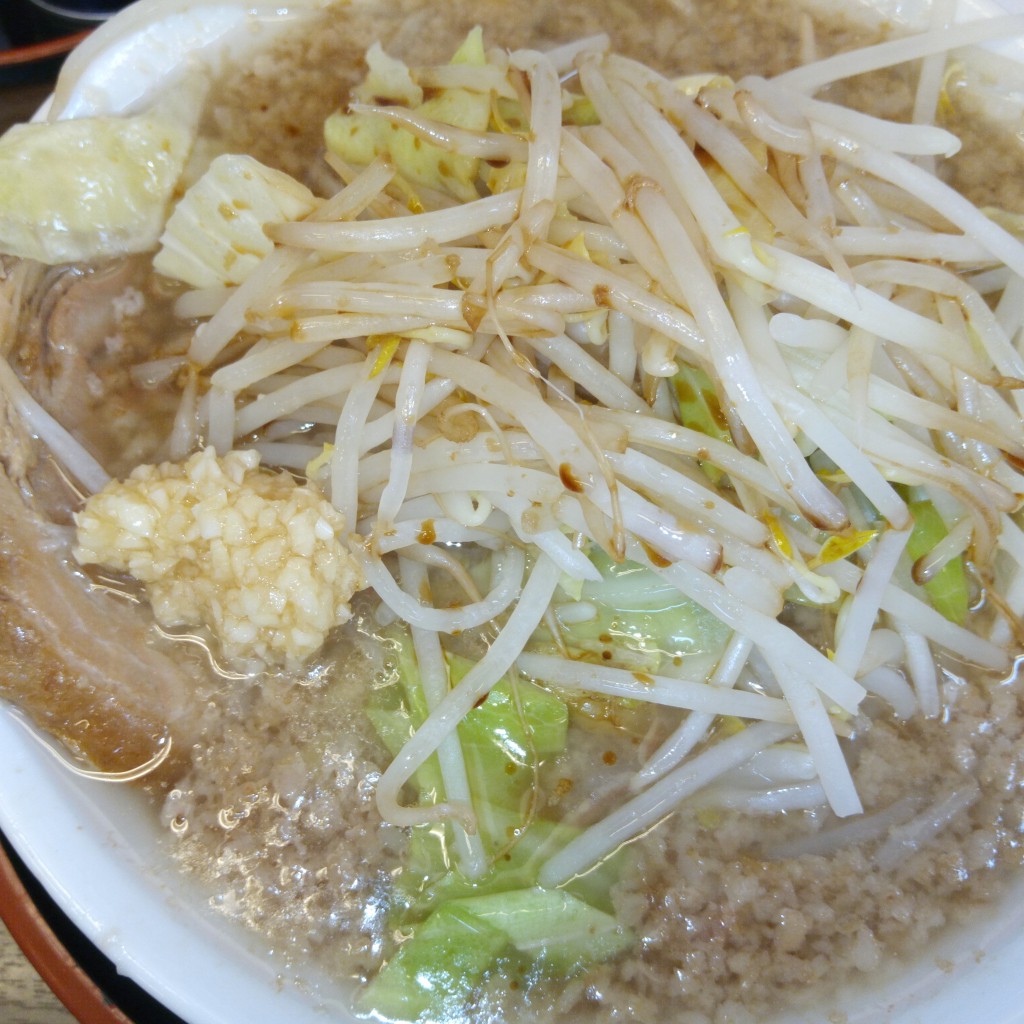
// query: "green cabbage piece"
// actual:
[[359, 138], [216, 236], [558, 932], [642, 622], [545, 932], [91, 188], [502, 739], [433, 971], [948, 590], [455, 929]]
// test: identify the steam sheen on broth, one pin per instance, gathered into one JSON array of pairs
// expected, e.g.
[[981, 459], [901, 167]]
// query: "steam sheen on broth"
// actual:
[[692, 346]]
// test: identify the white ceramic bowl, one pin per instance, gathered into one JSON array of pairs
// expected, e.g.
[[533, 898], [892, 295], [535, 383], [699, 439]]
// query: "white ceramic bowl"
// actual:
[[95, 847]]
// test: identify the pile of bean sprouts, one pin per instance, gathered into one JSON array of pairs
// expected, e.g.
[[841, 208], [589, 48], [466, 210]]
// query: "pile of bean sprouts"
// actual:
[[495, 375]]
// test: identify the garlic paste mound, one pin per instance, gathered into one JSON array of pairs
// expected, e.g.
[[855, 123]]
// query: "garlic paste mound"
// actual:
[[253, 555]]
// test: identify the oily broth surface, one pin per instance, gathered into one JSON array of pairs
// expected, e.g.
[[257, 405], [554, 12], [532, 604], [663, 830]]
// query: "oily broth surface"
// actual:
[[275, 108], [282, 125], [276, 813]]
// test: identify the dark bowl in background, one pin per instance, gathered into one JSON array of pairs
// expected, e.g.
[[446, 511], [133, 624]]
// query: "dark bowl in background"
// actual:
[[36, 35], [32, 21]]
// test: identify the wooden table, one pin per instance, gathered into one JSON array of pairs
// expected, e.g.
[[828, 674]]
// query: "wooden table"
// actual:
[[24, 996]]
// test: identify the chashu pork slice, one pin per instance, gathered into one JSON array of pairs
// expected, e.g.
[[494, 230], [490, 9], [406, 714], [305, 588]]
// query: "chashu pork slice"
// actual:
[[84, 664], [78, 661]]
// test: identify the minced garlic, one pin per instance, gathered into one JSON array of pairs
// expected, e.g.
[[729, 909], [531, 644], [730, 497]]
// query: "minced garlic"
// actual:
[[253, 555]]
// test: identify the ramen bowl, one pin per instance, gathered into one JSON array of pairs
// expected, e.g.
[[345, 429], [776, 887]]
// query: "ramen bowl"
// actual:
[[97, 848]]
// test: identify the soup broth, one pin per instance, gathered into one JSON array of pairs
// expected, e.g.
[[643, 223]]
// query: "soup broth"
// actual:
[[734, 912]]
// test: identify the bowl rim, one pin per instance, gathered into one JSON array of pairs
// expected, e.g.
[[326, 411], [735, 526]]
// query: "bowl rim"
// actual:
[[46, 952], [46, 813]]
